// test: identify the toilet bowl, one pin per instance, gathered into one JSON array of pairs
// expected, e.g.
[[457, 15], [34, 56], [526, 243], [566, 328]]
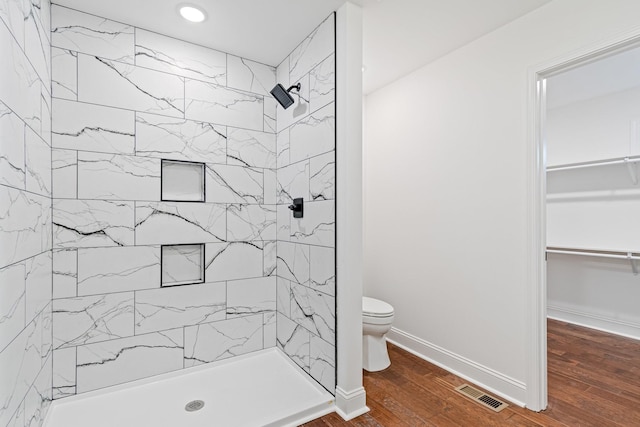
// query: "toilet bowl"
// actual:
[[377, 318]]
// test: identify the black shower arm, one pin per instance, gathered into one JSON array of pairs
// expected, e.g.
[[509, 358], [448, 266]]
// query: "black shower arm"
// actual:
[[296, 87]]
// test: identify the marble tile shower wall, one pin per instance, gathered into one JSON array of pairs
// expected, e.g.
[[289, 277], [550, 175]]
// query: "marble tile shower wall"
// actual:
[[306, 321], [123, 100], [25, 213]]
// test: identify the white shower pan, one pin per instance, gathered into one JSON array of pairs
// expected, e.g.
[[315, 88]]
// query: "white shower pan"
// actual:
[[264, 388]]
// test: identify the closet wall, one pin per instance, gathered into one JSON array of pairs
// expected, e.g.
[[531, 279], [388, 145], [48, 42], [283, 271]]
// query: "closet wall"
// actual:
[[593, 115]]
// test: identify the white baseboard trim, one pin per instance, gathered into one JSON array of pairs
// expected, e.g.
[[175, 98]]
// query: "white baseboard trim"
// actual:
[[351, 404], [506, 387], [589, 320]]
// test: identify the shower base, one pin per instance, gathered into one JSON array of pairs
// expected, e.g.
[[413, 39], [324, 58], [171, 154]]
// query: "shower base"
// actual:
[[264, 388]]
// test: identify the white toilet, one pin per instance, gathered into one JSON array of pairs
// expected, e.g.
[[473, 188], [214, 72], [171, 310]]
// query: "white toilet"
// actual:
[[377, 317]]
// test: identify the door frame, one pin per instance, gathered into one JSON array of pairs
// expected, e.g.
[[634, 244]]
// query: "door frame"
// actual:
[[536, 282]]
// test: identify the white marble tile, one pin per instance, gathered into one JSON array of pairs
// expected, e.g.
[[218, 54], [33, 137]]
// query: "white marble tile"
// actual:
[[293, 182], [220, 105], [182, 181], [293, 339], [64, 372], [270, 115], [251, 296], [18, 417], [38, 162], [322, 176], [119, 361], [283, 218], [64, 170], [251, 148], [92, 223], [65, 273], [314, 310], [20, 86], [270, 329], [36, 41], [88, 127], [64, 73], [318, 227], [322, 84], [270, 258], [313, 49], [182, 264], [313, 135], [38, 279], [118, 269], [270, 187], [220, 340], [44, 13], [91, 34], [179, 306], [283, 296], [45, 323], [251, 222], [179, 139], [116, 177], [115, 84], [12, 150], [39, 397], [323, 363], [12, 303], [282, 148], [20, 364], [13, 14], [46, 111], [299, 110], [234, 260], [234, 184], [174, 222], [293, 262], [174, 56], [83, 320], [250, 76], [25, 225], [322, 270]]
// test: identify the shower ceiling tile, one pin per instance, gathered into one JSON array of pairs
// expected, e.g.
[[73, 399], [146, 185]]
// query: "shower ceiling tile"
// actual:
[[169, 223], [115, 84], [174, 56], [118, 269], [234, 184], [219, 340], [92, 35], [118, 361], [217, 104], [88, 127], [178, 306], [251, 76], [179, 139]]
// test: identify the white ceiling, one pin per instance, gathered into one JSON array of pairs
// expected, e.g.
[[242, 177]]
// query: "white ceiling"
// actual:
[[399, 35]]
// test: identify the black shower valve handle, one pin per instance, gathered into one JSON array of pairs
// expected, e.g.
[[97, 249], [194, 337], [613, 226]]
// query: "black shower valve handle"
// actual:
[[297, 207]]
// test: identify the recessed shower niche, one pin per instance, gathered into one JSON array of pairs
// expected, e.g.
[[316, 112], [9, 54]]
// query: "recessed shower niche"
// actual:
[[182, 181], [182, 264]]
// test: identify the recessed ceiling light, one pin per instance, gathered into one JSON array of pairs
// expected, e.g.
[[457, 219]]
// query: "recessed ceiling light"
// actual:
[[192, 13]]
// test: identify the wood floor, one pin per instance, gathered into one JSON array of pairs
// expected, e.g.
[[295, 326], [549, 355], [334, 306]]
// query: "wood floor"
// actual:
[[594, 380]]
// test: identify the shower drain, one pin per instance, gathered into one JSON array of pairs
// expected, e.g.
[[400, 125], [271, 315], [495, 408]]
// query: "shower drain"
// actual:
[[194, 405]]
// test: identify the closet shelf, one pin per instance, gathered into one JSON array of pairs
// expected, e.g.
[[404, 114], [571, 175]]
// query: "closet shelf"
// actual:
[[631, 163], [633, 257]]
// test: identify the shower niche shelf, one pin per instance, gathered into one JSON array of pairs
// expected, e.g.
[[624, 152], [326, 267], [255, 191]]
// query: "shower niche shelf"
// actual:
[[182, 264], [182, 181]]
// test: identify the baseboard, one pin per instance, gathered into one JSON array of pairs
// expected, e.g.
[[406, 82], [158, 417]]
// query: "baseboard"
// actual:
[[351, 404], [506, 387], [589, 320]]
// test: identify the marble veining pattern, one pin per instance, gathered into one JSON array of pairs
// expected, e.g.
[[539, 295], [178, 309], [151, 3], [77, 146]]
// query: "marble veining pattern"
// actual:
[[65, 273], [234, 184], [64, 73], [12, 149], [250, 76], [314, 310], [64, 372], [322, 358], [233, 260], [251, 296], [294, 340], [251, 222], [293, 262], [64, 169], [251, 148]]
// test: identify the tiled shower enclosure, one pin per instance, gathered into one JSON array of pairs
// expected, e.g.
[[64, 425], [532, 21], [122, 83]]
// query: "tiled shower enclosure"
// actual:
[[144, 223]]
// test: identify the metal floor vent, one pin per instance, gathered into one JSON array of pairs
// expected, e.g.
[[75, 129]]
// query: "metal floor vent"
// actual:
[[482, 398], [194, 405]]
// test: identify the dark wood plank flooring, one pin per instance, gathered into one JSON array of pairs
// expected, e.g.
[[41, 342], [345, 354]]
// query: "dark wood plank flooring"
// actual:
[[594, 380]]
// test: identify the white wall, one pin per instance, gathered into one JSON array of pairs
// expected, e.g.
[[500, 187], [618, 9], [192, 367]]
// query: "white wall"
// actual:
[[446, 194]]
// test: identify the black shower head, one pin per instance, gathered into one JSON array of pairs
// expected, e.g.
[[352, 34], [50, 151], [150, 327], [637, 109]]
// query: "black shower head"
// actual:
[[282, 95]]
